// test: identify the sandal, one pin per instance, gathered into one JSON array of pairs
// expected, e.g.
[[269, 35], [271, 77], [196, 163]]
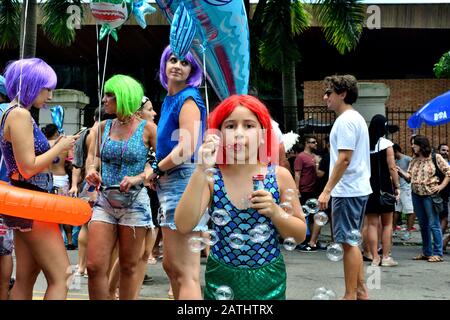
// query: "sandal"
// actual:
[[435, 259], [421, 257], [152, 260]]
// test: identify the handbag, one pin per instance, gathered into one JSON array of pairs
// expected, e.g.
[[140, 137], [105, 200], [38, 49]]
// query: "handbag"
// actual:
[[438, 203], [118, 199], [386, 198]]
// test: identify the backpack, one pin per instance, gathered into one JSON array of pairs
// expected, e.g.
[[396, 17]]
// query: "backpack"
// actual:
[[445, 192]]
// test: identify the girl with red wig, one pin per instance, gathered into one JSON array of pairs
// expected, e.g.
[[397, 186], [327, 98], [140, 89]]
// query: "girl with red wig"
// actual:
[[246, 259]]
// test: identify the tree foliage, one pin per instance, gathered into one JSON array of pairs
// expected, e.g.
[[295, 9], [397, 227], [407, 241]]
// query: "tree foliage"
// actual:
[[442, 68], [9, 24]]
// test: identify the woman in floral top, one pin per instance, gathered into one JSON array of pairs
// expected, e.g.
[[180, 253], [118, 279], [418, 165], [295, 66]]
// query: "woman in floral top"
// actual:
[[424, 184]]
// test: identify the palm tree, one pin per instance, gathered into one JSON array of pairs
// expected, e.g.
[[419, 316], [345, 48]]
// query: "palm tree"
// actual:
[[54, 24], [280, 21]]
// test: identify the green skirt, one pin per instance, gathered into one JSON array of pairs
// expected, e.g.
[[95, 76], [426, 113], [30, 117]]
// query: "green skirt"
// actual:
[[264, 283]]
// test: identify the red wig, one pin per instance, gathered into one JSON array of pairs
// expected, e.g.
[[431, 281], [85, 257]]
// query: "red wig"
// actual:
[[226, 107]]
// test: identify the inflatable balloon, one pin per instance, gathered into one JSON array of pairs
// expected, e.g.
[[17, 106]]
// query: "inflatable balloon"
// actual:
[[182, 32], [58, 117], [140, 9], [222, 31], [111, 14], [42, 206]]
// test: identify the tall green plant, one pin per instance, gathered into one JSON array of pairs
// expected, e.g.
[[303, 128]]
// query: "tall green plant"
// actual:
[[281, 21], [54, 23]]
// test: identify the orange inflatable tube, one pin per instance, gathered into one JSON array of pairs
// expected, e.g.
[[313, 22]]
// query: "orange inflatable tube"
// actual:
[[40, 206]]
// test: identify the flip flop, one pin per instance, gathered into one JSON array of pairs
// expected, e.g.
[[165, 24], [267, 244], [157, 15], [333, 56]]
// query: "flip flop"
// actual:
[[435, 259], [421, 257]]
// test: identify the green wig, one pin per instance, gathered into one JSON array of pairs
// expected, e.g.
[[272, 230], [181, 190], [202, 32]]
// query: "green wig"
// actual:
[[128, 93]]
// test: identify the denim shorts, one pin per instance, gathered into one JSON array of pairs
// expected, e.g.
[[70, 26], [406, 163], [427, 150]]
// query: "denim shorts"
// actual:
[[348, 215], [170, 189], [137, 215], [44, 183]]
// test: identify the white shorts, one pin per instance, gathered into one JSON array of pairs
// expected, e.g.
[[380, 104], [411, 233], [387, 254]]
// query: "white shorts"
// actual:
[[404, 204], [62, 183]]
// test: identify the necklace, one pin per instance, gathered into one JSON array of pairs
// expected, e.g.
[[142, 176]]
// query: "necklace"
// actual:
[[125, 121]]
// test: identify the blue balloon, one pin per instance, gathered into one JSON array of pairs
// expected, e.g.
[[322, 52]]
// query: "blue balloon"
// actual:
[[182, 32], [140, 9], [58, 117], [222, 30]]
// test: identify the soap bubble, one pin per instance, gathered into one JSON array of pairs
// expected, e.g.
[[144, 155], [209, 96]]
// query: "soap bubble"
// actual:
[[335, 252], [287, 208], [289, 244], [290, 194], [321, 218], [220, 217], [321, 297], [313, 205], [331, 294], [354, 238], [260, 233], [210, 172], [245, 202], [213, 237], [306, 210], [224, 293], [237, 240], [196, 244], [321, 290]]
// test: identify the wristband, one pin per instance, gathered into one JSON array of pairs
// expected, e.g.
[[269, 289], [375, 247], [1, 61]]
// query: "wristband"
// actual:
[[156, 169]]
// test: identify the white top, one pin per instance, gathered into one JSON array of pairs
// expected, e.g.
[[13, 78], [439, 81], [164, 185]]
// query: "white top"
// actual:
[[350, 132], [382, 144]]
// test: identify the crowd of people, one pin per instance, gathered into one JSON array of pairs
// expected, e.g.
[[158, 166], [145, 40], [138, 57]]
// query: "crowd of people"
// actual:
[[220, 183]]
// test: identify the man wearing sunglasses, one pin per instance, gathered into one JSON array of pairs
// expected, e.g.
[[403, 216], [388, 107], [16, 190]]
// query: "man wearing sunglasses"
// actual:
[[349, 181], [305, 168]]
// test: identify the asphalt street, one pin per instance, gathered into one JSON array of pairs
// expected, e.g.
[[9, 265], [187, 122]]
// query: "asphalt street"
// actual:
[[306, 272]]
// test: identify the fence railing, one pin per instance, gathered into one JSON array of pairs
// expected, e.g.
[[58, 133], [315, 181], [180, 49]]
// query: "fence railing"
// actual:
[[317, 116], [436, 134]]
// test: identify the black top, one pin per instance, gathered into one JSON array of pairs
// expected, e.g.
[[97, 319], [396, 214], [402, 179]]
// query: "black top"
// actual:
[[380, 179]]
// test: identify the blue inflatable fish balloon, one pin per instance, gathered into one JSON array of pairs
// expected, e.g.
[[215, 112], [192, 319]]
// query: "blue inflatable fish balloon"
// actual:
[[182, 32], [58, 117], [222, 31]]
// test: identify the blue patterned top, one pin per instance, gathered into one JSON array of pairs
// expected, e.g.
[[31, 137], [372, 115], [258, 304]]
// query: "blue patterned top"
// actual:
[[41, 144], [251, 254], [122, 158], [169, 121]]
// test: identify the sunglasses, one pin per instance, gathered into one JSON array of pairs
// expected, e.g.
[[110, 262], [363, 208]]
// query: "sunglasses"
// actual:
[[314, 142]]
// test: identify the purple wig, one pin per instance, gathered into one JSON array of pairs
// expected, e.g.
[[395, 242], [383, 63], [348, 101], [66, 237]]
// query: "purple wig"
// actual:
[[194, 79], [36, 75]]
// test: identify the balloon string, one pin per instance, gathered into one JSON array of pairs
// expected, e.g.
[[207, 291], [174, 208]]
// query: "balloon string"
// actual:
[[101, 86], [206, 81], [22, 50], [98, 64]]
